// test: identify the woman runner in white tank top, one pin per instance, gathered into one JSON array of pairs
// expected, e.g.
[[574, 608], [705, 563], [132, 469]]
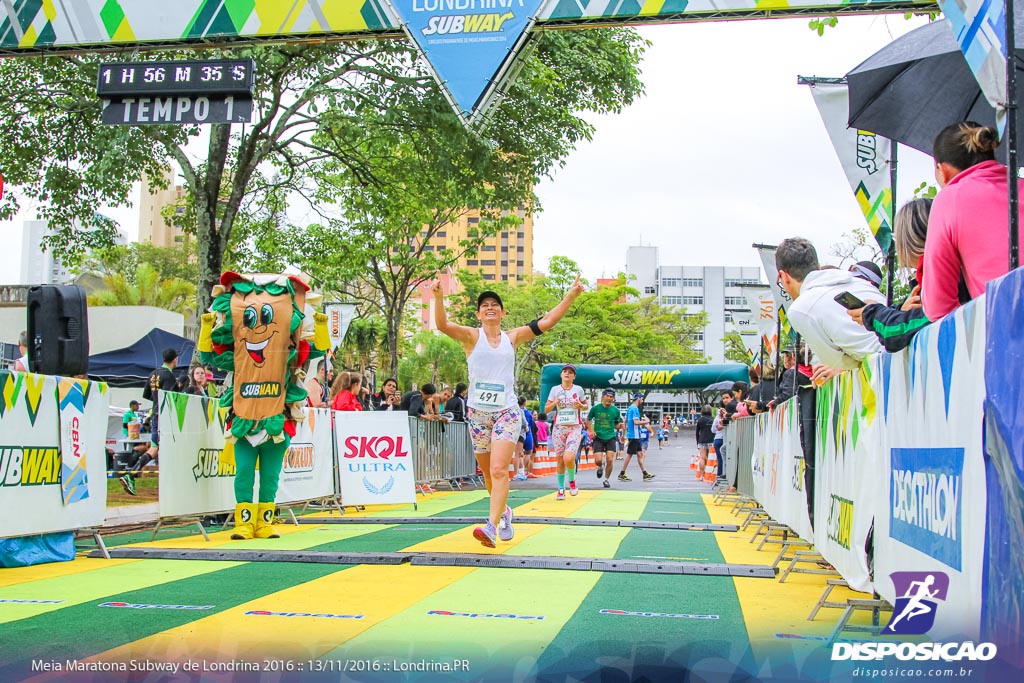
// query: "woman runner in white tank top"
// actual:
[[494, 417]]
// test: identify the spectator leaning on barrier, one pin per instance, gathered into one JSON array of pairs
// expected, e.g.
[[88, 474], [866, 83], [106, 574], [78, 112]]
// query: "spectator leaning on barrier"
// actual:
[[457, 405], [346, 392], [420, 403], [318, 395], [893, 326], [21, 364], [388, 398], [837, 341], [968, 227]]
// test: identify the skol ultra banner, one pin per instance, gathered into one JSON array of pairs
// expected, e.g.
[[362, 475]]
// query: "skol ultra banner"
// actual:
[[932, 516], [375, 462], [864, 157], [32, 500], [848, 466], [197, 467], [778, 467]]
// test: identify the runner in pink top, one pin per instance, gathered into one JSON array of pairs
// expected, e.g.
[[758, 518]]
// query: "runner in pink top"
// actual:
[[968, 229]]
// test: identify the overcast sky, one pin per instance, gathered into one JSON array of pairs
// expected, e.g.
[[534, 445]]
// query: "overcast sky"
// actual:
[[723, 151]]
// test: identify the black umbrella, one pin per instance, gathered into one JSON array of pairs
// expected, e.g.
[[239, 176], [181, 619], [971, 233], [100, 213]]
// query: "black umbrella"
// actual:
[[719, 386], [920, 83]]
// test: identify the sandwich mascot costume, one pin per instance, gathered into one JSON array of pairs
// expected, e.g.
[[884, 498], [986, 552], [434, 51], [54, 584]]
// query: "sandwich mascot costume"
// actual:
[[262, 328]]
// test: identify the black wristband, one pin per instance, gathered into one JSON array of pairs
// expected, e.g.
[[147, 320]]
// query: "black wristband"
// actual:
[[535, 327]]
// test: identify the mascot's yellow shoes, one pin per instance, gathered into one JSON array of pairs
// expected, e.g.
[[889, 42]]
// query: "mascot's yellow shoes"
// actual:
[[265, 521], [245, 516]]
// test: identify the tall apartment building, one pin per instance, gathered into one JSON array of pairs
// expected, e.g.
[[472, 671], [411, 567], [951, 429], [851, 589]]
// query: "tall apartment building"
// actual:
[[712, 289], [505, 256], [153, 227], [39, 266]]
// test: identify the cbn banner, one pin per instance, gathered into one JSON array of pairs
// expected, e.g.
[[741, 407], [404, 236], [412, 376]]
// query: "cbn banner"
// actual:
[[35, 433], [847, 494], [932, 516], [375, 463], [778, 467], [865, 158], [197, 474]]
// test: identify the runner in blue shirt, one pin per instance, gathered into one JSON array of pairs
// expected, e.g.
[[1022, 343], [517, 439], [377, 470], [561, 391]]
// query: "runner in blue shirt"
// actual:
[[634, 422]]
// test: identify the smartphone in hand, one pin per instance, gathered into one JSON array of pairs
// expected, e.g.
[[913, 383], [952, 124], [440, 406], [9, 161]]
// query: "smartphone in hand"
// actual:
[[848, 301]]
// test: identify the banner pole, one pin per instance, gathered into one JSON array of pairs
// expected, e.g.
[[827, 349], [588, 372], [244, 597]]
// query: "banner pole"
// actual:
[[1011, 131], [778, 351], [890, 258]]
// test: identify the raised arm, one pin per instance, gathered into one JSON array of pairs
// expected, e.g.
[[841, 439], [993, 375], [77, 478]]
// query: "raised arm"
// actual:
[[467, 336], [525, 333]]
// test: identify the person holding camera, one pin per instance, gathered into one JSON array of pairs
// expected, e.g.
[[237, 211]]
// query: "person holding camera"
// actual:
[[388, 398]]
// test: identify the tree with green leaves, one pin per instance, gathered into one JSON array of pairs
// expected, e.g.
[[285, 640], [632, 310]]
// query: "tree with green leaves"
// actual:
[[432, 358], [177, 261], [735, 349], [146, 288]]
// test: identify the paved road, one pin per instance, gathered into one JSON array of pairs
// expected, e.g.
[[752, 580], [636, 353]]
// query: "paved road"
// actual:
[[670, 465]]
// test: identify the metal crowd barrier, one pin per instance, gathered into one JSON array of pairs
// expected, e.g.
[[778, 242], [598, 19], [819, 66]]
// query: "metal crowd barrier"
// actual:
[[739, 449], [442, 451]]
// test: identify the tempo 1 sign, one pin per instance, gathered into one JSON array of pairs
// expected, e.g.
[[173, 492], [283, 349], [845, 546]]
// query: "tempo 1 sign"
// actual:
[[176, 92]]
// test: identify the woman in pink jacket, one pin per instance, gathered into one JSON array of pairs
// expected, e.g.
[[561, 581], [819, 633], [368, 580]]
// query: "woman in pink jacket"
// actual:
[[968, 229]]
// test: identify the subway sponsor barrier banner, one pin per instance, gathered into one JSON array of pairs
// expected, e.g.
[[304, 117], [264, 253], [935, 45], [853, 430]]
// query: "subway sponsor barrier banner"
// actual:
[[865, 159], [848, 467], [1003, 579], [197, 472], [36, 433], [778, 467], [375, 462], [932, 514]]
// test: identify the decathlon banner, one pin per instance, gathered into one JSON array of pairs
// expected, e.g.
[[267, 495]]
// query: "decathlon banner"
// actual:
[[848, 466], [32, 442], [374, 458], [196, 477], [865, 159], [308, 471], [778, 467], [469, 44], [932, 515]]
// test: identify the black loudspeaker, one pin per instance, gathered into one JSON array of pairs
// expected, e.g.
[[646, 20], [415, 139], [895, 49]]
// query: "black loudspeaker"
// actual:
[[58, 330]]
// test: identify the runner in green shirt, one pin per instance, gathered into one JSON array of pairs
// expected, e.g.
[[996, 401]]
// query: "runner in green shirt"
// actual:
[[602, 421]]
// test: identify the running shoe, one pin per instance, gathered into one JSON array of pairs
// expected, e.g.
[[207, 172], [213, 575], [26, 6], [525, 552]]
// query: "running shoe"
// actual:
[[128, 484], [600, 471], [572, 488], [520, 477], [648, 476], [606, 484], [505, 530], [624, 477], [561, 494], [486, 534]]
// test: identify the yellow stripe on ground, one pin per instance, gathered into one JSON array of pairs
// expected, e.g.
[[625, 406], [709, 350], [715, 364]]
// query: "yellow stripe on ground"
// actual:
[[377, 592], [292, 538], [771, 607], [41, 572], [625, 505], [441, 501]]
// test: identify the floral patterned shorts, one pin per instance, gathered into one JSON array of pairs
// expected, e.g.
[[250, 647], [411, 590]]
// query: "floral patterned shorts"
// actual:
[[566, 439], [504, 425]]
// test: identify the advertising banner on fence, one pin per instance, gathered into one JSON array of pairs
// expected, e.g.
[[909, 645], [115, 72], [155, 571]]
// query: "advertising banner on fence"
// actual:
[[195, 476], [778, 467], [34, 435], [375, 462], [932, 518], [848, 467]]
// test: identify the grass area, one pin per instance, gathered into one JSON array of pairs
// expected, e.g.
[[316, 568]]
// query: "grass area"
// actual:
[[146, 489]]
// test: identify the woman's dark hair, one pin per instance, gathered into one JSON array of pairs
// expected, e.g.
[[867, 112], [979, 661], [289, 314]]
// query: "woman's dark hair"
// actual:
[[460, 388], [965, 144], [742, 388], [706, 411]]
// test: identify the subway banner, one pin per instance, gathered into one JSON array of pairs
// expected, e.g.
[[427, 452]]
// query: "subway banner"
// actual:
[[778, 467], [932, 514], [375, 460], [847, 464], [197, 470], [637, 377], [39, 439]]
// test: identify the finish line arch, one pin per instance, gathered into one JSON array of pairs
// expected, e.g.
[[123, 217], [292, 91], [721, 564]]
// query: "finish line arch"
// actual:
[[637, 377]]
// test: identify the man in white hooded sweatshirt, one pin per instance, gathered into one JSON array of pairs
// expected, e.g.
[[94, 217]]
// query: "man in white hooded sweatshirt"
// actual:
[[837, 341]]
